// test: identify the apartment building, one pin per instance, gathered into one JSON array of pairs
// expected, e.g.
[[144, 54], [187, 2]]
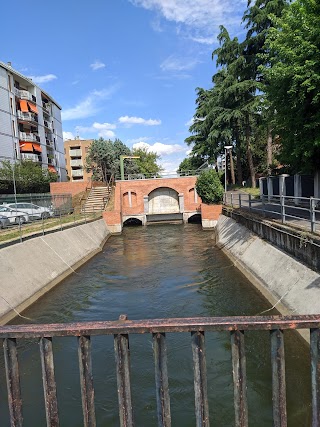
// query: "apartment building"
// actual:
[[75, 155], [30, 123]]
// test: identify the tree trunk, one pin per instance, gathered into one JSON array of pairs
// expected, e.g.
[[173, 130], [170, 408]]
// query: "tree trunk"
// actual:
[[249, 156], [269, 150], [233, 180], [238, 153]]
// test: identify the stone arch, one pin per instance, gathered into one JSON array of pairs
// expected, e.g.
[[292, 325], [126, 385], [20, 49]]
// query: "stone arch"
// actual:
[[129, 199], [195, 219], [163, 200]]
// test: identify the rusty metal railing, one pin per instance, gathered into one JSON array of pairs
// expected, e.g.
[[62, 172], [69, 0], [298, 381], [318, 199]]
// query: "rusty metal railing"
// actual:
[[198, 327]]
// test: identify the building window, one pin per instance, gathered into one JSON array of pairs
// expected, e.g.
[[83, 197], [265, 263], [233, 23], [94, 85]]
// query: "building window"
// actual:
[[13, 129], [11, 105], [9, 83]]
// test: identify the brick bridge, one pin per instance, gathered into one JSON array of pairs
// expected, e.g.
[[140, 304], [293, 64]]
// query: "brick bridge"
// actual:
[[157, 199]]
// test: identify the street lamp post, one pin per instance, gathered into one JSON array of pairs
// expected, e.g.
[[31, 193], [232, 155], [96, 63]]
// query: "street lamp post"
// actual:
[[122, 165], [226, 149]]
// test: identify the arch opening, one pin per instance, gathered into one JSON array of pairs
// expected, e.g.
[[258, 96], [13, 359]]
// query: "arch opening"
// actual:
[[163, 200], [132, 222], [195, 219]]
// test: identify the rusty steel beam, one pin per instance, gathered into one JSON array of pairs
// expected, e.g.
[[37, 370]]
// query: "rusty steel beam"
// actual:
[[161, 379], [239, 378], [241, 323], [49, 382], [13, 382], [278, 379], [200, 379], [86, 381], [315, 375]]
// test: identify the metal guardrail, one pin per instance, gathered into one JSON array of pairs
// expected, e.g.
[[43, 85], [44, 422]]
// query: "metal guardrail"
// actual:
[[175, 174], [302, 210], [198, 327]]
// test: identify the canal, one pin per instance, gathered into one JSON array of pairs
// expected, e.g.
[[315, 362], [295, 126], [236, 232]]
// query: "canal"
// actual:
[[157, 272]]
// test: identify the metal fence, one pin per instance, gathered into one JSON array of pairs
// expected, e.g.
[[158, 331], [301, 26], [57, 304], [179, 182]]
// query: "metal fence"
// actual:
[[31, 215], [198, 327], [176, 174], [301, 211]]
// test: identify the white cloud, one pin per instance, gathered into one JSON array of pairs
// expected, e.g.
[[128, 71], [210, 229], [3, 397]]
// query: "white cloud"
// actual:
[[141, 139], [42, 79], [138, 121], [68, 135], [189, 122], [103, 130], [173, 63], [160, 148], [89, 106], [198, 18], [204, 40], [97, 65]]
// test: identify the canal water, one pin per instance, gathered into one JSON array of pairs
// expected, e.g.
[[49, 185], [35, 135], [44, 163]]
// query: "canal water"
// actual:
[[158, 272]]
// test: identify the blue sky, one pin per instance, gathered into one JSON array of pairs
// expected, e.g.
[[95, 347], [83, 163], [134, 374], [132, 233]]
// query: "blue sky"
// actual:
[[120, 68]]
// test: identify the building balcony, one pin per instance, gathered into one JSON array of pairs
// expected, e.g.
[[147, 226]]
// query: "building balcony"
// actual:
[[31, 137], [51, 162], [47, 125], [24, 94], [75, 153], [27, 117], [77, 163], [77, 172], [46, 108], [29, 156]]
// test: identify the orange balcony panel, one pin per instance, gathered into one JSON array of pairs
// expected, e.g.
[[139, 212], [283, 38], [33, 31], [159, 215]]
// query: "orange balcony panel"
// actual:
[[24, 106], [37, 147], [26, 147], [52, 169], [33, 107]]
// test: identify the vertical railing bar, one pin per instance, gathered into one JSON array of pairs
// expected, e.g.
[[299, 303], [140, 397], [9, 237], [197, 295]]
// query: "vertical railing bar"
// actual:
[[200, 379], [315, 375], [161, 378], [122, 355], [239, 378], [49, 382], [86, 381], [278, 379], [13, 381]]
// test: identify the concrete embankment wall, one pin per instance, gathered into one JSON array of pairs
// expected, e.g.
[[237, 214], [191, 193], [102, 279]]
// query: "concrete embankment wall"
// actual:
[[284, 281], [30, 269]]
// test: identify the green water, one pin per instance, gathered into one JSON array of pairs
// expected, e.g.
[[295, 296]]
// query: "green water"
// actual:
[[158, 272]]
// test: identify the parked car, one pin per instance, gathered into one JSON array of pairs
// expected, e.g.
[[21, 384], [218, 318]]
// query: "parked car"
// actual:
[[34, 211], [14, 215], [4, 221]]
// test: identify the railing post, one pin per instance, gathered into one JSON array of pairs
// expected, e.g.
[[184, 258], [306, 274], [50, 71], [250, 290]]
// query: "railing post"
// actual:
[[49, 383], [231, 196], [200, 379], [161, 377], [13, 381], [282, 208], [239, 200], [86, 381], [249, 202], [278, 379], [239, 378], [315, 375], [312, 215], [122, 354]]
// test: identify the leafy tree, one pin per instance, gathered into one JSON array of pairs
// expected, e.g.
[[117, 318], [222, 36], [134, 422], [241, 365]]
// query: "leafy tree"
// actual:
[[293, 83], [29, 177], [209, 187], [147, 162], [103, 159], [190, 163]]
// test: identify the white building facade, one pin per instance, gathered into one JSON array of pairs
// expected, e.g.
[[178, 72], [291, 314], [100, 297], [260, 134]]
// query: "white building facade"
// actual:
[[30, 123]]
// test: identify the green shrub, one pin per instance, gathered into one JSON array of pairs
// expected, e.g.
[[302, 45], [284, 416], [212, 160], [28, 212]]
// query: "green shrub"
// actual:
[[209, 187]]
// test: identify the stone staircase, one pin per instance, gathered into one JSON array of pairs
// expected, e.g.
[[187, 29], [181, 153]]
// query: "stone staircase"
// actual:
[[96, 200]]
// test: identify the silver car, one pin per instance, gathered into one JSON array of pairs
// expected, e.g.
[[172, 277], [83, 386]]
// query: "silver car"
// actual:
[[4, 221], [14, 215], [33, 211]]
